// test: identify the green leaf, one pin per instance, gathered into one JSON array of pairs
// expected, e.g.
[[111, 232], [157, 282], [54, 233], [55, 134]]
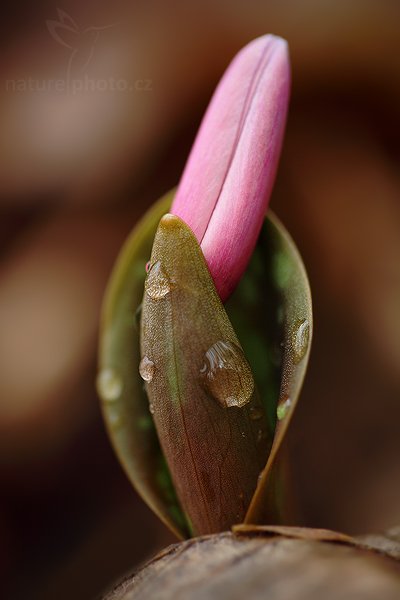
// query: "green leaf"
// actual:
[[210, 421], [123, 399], [271, 316], [271, 503]]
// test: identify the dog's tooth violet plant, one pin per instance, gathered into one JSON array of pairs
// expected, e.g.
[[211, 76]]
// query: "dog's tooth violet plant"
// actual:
[[197, 395], [227, 182]]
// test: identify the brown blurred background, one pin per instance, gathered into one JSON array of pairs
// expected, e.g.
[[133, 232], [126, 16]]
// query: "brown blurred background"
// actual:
[[76, 172]]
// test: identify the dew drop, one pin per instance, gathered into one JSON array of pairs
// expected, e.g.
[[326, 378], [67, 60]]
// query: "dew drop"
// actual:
[[157, 284], [227, 375], [109, 385], [283, 408], [151, 408], [300, 340], [146, 369], [230, 401], [256, 413], [148, 266]]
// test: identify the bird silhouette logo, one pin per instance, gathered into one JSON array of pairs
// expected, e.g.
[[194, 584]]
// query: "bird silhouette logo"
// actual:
[[80, 42]]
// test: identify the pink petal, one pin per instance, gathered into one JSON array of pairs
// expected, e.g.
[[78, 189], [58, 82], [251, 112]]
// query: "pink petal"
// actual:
[[226, 185]]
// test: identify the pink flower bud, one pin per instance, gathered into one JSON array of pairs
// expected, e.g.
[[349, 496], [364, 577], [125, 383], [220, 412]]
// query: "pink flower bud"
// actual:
[[227, 182]]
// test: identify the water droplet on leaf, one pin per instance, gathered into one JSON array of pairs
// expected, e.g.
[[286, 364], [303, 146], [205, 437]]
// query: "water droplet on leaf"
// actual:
[[283, 408], [109, 385], [157, 284], [227, 374], [300, 340], [146, 369]]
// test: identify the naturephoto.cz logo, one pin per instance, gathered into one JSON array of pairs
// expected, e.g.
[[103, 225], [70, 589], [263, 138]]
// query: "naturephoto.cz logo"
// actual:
[[80, 44]]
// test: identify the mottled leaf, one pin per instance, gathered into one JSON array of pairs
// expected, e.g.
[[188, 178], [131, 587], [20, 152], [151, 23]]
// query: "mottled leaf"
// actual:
[[209, 418], [267, 309], [124, 401]]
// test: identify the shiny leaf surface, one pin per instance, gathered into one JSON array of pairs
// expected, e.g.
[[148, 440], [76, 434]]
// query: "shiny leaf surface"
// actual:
[[209, 418], [124, 402], [271, 315]]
